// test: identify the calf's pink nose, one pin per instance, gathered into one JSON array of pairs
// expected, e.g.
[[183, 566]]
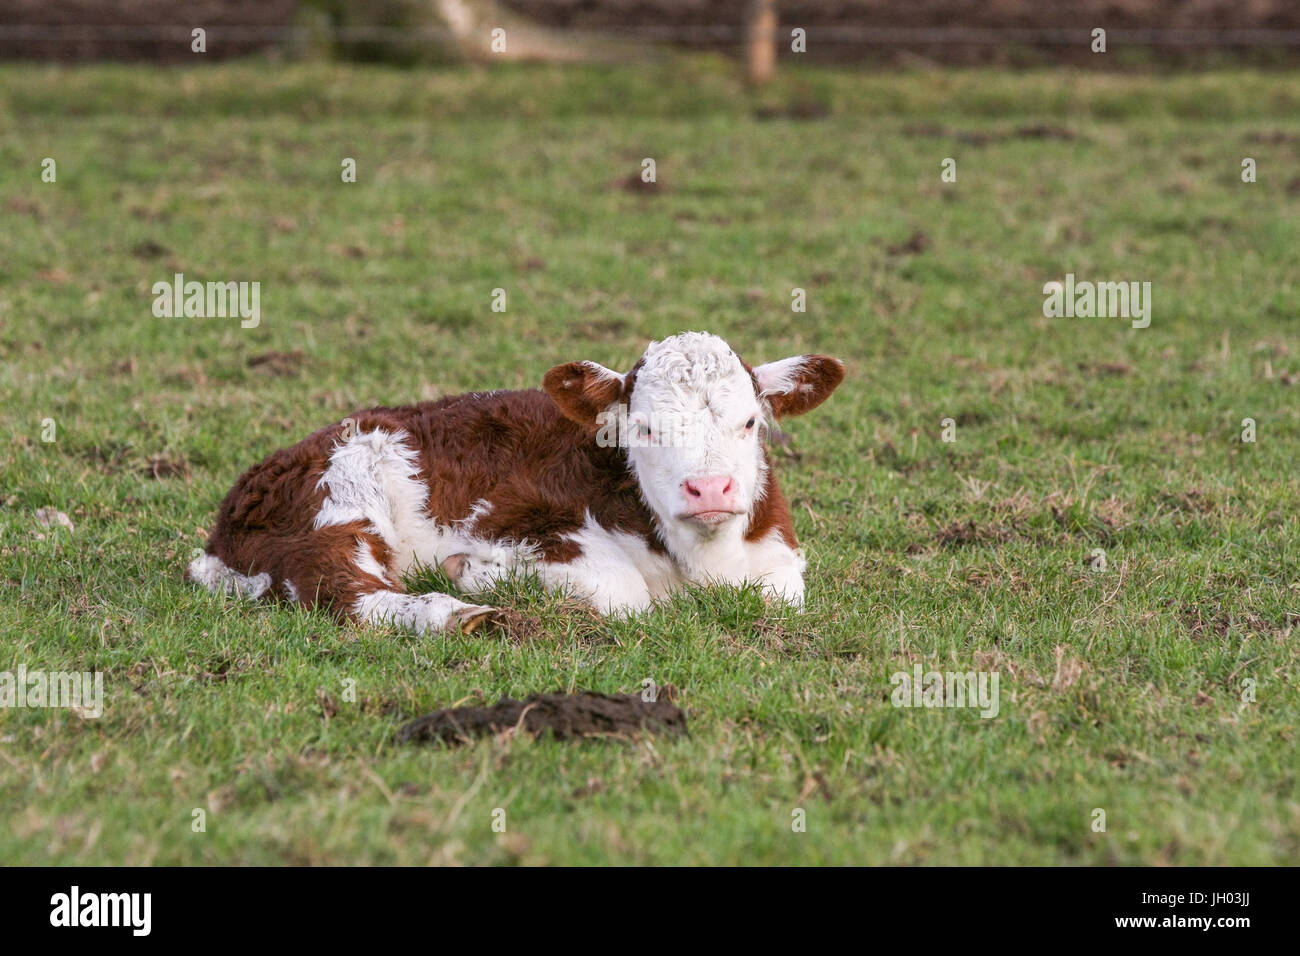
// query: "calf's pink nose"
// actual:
[[710, 493]]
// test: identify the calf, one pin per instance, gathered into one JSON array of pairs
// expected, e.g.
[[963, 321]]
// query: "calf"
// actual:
[[617, 488]]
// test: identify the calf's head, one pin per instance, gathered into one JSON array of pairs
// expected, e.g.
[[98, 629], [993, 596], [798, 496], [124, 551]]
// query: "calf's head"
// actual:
[[692, 415]]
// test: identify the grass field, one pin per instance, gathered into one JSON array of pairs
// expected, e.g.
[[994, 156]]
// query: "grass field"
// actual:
[[1121, 689]]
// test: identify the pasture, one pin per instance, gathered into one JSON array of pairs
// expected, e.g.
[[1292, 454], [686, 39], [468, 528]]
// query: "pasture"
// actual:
[[1159, 688]]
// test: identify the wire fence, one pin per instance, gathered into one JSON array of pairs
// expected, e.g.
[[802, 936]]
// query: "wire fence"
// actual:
[[665, 33]]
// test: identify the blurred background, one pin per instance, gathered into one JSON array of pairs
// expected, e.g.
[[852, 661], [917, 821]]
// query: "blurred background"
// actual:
[[1008, 32]]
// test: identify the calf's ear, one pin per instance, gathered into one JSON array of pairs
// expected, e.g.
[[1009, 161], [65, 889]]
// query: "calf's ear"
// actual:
[[583, 390], [799, 384]]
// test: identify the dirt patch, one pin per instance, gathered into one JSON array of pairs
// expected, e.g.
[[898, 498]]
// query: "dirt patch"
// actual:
[[562, 716], [935, 131], [218, 671], [279, 364], [633, 183], [1107, 369], [1274, 137], [1020, 518], [1200, 623], [107, 459], [1068, 669], [149, 249], [329, 707], [190, 375], [783, 636], [961, 533], [524, 628], [24, 207], [1193, 501], [991, 579], [888, 456], [815, 783], [986, 137], [1043, 131], [916, 244], [160, 467]]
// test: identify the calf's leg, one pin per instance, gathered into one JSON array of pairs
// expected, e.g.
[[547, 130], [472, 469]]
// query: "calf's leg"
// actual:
[[333, 526], [342, 569]]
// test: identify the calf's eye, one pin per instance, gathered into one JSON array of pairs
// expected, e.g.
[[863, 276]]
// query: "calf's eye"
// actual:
[[750, 424]]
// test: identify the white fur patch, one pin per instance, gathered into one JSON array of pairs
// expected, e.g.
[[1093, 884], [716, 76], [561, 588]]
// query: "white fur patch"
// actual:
[[368, 563], [602, 373], [374, 477], [211, 572], [616, 573], [778, 567], [480, 509], [781, 377], [421, 613]]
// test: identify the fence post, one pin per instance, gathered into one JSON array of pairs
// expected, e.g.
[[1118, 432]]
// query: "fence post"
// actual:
[[761, 41]]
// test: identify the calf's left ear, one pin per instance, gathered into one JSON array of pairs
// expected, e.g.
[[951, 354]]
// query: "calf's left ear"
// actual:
[[799, 384], [583, 390]]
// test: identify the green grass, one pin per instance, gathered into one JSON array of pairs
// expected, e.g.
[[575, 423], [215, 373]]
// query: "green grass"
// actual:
[[1120, 689]]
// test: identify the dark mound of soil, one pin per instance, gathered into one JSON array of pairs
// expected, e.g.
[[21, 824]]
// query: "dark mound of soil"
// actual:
[[563, 716]]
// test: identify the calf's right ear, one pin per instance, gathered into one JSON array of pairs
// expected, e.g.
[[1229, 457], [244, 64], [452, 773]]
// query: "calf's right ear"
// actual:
[[583, 390]]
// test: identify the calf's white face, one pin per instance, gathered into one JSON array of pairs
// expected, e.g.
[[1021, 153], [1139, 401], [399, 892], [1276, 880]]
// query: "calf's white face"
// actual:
[[691, 415], [695, 432]]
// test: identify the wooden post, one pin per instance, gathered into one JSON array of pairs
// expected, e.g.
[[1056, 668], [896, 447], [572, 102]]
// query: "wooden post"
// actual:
[[761, 41]]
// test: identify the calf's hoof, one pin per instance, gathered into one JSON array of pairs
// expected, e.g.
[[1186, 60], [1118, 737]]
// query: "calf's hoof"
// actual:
[[468, 618]]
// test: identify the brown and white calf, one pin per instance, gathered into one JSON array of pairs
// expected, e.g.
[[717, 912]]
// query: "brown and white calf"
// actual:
[[617, 488]]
